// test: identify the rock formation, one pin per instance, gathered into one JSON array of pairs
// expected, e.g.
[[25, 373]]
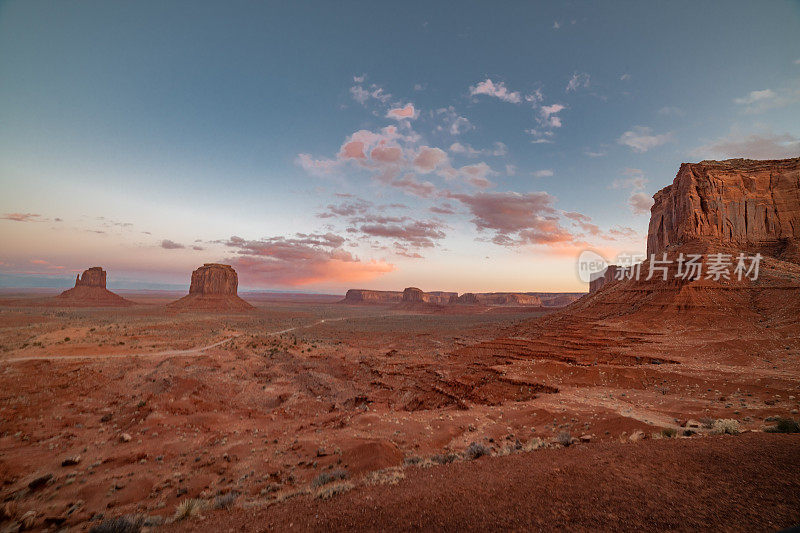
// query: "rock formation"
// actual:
[[213, 288], [363, 296], [90, 290], [751, 206], [600, 279]]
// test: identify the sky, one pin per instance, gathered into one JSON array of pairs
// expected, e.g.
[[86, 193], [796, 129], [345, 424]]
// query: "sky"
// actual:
[[321, 146]]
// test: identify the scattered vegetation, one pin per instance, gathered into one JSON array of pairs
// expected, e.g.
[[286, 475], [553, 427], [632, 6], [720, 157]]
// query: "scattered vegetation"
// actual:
[[564, 438], [476, 450], [444, 458], [784, 425], [334, 489], [329, 477], [127, 524], [189, 508], [725, 426], [224, 501]]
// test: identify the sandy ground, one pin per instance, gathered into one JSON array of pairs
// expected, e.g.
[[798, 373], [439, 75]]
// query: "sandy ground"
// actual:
[[747, 482], [161, 407]]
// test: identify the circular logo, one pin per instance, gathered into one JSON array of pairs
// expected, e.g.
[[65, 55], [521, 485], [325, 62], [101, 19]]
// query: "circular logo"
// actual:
[[591, 265]]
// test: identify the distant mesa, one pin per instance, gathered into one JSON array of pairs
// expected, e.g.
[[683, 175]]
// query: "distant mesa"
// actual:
[[413, 296], [213, 288], [90, 290]]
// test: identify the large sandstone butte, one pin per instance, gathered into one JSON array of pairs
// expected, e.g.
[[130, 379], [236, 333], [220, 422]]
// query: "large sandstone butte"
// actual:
[[90, 290], [213, 288], [752, 206]]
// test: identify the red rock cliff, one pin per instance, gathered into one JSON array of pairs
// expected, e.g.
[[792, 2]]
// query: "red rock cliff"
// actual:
[[93, 277], [750, 205], [213, 278]]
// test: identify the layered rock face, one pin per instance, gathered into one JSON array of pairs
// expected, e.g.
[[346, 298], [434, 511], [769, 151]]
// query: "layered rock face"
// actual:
[[213, 278], [601, 279], [93, 277], [90, 290], [413, 295], [213, 288], [356, 296], [752, 206]]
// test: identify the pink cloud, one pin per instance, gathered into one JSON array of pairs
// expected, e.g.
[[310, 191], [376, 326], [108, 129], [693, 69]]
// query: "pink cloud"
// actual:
[[411, 185], [419, 233], [20, 217], [477, 174], [516, 218], [640, 203], [387, 154], [429, 158], [353, 150], [400, 113], [303, 260]]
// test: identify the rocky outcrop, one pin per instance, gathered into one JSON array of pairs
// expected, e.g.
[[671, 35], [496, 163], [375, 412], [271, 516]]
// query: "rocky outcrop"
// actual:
[[413, 295], [747, 205], [93, 277], [363, 296], [600, 279], [90, 291], [213, 288]]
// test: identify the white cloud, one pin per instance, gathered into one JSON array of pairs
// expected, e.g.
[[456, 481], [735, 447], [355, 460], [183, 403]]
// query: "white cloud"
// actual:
[[498, 150], [762, 145], [625, 77], [758, 101], [577, 81], [454, 123], [556, 25], [671, 110], [546, 173], [497, 90], [595, 154], [641, 139]]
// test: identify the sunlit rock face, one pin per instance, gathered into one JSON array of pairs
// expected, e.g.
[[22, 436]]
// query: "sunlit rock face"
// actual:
[[753, 206]]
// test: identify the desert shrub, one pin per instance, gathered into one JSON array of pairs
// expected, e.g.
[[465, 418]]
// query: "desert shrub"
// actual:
[[534, 444], [476, 450], [784, 425], [444, 458], [669, 433], [564, 438], [329, 477], [413, 460], [189, 508], [725, 426], [225, 501], [334, 489]]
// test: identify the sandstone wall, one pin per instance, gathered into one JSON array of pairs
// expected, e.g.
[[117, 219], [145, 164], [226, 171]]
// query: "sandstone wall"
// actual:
[[746, 204], [213, 278]]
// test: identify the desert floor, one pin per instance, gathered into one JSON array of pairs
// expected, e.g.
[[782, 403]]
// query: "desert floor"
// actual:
[[110, 412]]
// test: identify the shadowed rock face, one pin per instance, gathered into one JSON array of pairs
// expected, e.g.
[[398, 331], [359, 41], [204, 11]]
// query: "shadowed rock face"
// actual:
[[601, 279], [213, 278], [93, 277], [750, 205], [368, 296], [413, 295]]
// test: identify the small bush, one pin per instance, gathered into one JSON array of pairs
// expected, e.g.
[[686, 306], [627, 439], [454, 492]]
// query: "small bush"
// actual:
[[564, 438], [225, 501], [784, 425], [725, 426], [444, 458], [189, 508], [329, 477], [413, 460], [669, 433], [476, 450]]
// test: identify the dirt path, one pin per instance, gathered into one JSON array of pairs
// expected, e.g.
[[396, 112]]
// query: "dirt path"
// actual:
[[749, 482]]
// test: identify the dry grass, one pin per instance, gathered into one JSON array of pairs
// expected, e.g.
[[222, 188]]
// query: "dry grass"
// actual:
[[189, 508], [329, 477], [476, 450], [334, 489], [534, 444], [387, 476]]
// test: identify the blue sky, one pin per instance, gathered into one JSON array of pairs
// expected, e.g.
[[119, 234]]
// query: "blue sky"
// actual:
[[144, 136]]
